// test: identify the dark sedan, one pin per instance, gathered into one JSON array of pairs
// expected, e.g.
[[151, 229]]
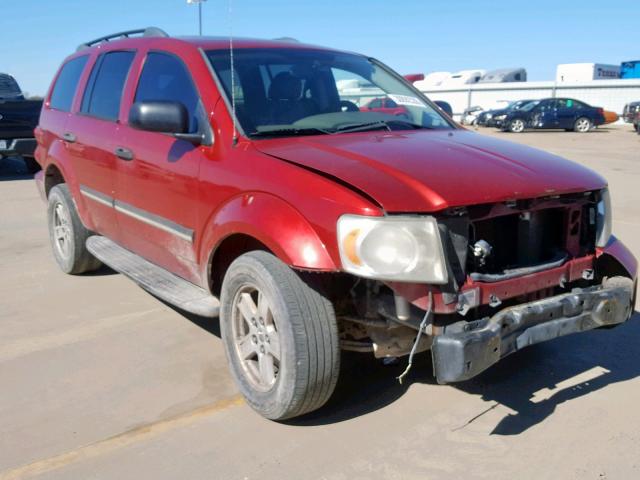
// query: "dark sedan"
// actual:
[[549, 113], [489, 117]]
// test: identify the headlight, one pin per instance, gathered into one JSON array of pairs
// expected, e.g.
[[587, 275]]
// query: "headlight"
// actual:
[[403, 248], [489, 115], [500, 117], [603, 218]]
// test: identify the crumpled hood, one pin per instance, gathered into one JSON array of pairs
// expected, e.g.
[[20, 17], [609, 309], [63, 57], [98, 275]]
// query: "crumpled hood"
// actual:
[[425, 171]]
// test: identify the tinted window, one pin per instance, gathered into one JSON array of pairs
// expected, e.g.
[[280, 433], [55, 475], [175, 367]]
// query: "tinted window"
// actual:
[[165, 78], [104, 89], [65, 87]]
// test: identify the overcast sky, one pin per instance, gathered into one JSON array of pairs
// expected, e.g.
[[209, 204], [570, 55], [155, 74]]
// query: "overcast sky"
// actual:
[[409, 35]]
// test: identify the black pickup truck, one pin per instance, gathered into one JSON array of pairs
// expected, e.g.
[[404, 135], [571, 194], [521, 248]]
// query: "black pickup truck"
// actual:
[[18, 118]]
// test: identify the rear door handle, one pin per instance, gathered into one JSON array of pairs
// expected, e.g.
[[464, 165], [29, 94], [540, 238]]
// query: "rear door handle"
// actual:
[[124, 153], [69, 137]]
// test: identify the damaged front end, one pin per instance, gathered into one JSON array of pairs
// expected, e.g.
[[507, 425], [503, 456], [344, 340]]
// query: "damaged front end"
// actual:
[[518, 273]]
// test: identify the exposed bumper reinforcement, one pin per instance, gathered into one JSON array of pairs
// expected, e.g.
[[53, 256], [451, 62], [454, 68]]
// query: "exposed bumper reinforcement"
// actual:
[[465, 349]]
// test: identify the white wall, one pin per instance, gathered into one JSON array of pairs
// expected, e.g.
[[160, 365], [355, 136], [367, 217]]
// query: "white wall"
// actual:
[[609, 94]]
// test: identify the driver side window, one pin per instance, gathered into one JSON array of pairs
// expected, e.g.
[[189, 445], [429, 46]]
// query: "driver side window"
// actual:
[[165, 78]]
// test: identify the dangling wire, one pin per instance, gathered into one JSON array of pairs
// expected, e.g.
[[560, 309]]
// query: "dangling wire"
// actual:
[[426, 321], [233, 75]]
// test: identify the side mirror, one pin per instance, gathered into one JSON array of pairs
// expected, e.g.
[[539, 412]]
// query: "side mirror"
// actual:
[[163, 117]]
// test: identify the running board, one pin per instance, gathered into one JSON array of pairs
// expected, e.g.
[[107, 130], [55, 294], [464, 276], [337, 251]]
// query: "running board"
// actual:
[[154, 279]]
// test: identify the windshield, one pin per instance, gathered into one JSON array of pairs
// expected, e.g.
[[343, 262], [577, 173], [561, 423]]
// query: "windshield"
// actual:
[[517, 105], [288, 92], [529, 106]]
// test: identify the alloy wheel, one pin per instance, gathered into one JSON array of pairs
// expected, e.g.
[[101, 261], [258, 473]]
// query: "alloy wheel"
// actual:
[[256, 337], [517, 126], [583, 125], [62, 230]]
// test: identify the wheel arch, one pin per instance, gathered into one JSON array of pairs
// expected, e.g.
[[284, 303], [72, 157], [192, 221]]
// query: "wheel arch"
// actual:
[[260, 221], [58, 170]]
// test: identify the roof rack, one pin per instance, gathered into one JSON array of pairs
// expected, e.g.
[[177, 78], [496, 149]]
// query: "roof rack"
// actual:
[[145, 32]]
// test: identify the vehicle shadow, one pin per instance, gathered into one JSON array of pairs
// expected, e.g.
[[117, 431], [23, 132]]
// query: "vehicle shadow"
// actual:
[[13, 168], [531, 382], [535, 381]]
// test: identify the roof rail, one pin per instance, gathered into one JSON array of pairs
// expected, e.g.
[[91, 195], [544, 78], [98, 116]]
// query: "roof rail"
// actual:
[[145, 32]]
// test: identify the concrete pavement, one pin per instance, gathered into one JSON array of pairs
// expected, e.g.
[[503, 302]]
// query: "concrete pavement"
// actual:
[[100, 380]]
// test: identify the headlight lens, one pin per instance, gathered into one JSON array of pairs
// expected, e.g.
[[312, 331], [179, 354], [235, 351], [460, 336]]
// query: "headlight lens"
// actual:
[[603, 219], [402, 248]]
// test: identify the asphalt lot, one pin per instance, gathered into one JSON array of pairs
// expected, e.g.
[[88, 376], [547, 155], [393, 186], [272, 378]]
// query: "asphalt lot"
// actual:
[[100, 380]]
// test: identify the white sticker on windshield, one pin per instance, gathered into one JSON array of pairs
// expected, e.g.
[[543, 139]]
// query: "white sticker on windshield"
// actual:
[[406, 100]]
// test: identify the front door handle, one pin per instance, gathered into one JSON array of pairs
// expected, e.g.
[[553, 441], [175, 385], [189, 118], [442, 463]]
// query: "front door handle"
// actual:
[[69, 137], [124, 153]]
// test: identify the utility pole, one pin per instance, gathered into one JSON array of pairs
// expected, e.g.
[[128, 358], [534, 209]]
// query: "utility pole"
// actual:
[[199, 2]]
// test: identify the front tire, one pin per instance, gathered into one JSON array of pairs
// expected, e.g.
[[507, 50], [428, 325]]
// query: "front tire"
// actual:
[[67, 234], [280, 336], [516, 125], [582, 125]]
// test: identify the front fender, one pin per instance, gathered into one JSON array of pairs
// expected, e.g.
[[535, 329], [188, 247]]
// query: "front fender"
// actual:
[[624, 263], [273, 222], [619, 251]]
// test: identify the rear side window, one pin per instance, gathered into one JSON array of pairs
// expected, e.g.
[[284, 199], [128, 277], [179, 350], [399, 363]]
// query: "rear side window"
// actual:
[[104, 89], [165, 78], [65, 88]]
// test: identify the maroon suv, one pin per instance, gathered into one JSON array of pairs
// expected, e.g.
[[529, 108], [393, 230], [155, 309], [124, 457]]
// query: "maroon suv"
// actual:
[[250, 188]]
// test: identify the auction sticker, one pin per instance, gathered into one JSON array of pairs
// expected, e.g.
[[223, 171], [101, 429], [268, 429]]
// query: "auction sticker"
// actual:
[[406, 100]]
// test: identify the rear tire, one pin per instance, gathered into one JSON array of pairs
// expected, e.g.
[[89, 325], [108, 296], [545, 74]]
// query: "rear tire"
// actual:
[[280, 337], [582, 125], [67, 234]]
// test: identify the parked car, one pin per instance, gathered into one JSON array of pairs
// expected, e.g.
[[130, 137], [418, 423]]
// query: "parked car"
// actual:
[[491, 118], [18, 118], [387, 106], [629, 111], [550, 113], [636, 122], [610, 117], [470, 115], [310, 226]]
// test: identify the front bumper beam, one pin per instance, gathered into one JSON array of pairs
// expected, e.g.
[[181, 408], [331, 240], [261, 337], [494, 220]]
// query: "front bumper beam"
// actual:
[[464, 349]]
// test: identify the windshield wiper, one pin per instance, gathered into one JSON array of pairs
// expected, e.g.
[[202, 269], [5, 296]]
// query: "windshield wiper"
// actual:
[[386, 124], [286, 132]]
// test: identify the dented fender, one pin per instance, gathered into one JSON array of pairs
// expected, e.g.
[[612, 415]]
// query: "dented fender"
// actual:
[[273, 222]]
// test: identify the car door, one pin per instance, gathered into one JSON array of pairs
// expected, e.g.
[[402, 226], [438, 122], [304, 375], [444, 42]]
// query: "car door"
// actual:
[[543, 116], [92, 135], [157, 179], [566, 112]]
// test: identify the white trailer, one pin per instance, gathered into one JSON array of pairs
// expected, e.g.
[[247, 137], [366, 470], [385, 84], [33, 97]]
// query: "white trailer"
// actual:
[[584, 72]]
